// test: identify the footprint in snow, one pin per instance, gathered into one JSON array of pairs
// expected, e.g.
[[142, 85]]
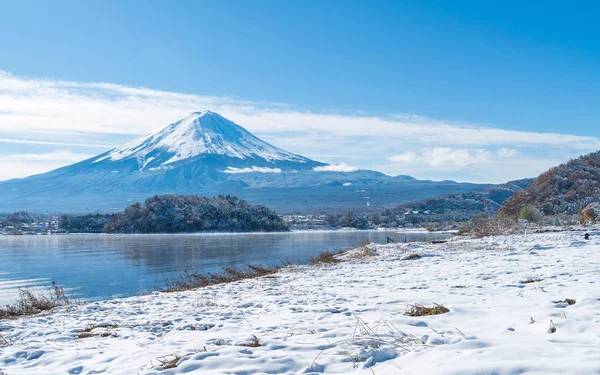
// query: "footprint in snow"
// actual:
[[34, 355], [333, 310]]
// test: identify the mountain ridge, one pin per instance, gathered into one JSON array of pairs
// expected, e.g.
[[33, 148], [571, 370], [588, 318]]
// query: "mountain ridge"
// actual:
[[564, 189], [199, 133], [463, 206]]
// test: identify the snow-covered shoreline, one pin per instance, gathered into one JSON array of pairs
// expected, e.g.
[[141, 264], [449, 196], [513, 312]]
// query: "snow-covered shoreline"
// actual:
[[347, 317]]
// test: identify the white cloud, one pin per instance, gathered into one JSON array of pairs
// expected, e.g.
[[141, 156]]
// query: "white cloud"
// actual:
[[464, 164], [407, 157], [54, 105], [48, 112], [506, 152], [23, 165], [336, 168], [451, 158], [458, 158], [252, 169], [53, 143]]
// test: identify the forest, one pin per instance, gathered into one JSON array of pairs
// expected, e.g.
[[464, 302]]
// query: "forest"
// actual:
[[180, 213]]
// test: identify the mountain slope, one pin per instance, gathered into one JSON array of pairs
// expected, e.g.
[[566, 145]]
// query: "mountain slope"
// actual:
[[567, 188], [464, 206], [206, 154], [197, 135]]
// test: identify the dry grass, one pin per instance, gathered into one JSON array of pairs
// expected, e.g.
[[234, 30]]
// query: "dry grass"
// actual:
[[419, 310], [255, 343], [378, 337], [29, 303], [4, 342], [168, 361], [530, 280], [568, 301], [187, 281], [87, 333], [325, 257], [362, 252], [484, 226], [366, 252]]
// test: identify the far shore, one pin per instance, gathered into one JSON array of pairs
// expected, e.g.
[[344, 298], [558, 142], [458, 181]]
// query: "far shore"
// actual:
[[390, 230]]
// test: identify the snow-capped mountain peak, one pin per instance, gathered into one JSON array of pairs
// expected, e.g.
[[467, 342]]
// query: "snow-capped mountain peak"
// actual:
[[198, 134]]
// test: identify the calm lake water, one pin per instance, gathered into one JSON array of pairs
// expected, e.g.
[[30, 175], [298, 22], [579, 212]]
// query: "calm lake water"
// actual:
[[94, 267]]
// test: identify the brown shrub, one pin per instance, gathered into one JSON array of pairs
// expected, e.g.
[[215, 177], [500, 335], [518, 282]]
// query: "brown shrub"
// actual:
[[484, 226]]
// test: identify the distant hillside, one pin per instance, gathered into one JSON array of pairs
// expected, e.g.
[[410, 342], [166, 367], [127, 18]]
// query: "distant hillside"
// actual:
[[565, 189], [180, 213], [462, 206]]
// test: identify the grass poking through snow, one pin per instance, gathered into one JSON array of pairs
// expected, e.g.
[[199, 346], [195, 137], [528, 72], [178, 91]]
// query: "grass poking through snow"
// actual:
[[29, 303], [88, 332], [568, 301], [419, 310], [325, 257], [255, 343], [187, 281], [168, 361]]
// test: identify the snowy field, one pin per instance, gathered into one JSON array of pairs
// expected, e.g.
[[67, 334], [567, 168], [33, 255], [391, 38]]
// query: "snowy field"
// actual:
[[346, 318]]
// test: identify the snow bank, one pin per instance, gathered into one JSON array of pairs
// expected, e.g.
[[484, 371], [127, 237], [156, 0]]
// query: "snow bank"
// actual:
[[345, 318]]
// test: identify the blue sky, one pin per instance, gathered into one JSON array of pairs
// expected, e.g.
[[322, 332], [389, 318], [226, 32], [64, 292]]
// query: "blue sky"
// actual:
[[396, 71]]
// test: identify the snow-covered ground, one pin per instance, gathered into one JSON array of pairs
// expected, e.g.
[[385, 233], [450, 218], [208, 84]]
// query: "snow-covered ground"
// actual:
[[347, 318]]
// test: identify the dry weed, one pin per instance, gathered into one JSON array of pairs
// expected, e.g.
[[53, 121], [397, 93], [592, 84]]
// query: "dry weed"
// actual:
[[29, 303], [187, 281], [254, 343], [325, 257]]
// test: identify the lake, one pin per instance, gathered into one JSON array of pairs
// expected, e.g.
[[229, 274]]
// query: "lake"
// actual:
[[95, 267]]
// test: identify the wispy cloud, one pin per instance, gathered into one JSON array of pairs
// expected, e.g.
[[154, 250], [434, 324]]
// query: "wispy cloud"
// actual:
[[52, 143], [451, 158], [336, 168], [445, 157], [404, 158], [233, 170], [43, 104], [412, 144], [22, 165]]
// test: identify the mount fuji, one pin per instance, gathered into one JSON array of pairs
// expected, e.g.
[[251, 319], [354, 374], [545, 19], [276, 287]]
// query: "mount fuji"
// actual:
[[203, 139], [206, 154]]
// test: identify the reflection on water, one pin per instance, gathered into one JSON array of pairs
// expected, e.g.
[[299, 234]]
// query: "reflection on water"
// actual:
[[93, 267]]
